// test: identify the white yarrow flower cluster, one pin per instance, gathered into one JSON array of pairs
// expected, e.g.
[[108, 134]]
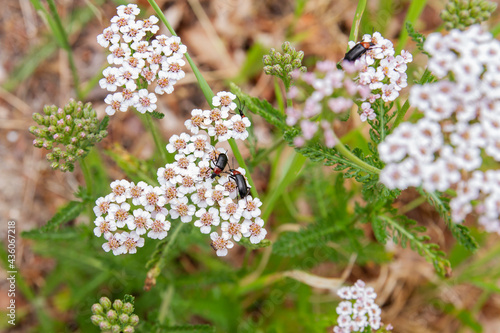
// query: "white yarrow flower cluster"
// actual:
[[359, 310], [191, 189], [461, 126], [330, 93], [127, 213], [140, 61], [381, 71], [216, 122]]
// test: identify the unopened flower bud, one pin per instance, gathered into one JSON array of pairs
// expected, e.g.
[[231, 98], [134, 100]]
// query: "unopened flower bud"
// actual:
[[38, 118], [134, 320], [128, 308], [97, 308], [111, 315], [104, 326], [267, 60], [116, 329], [124, 318], [285, 47], [128, 329], [287, 58], [96, 319], [118, 304]]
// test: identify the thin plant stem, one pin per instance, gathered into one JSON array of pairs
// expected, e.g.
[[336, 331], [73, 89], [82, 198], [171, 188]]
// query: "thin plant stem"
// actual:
[[290, 175], [66, 46], [88, 184], [156, 138], [353, 158], [360, 9], [208, 93]]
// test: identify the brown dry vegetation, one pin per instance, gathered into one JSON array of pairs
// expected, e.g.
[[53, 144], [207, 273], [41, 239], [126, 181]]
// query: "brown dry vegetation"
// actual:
[[218, 35]]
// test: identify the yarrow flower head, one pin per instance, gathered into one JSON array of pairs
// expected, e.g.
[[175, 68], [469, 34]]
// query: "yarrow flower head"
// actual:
[[141, 60], [116, 317], [359, 310], [460, 126], [193, 189], [461, 14], [380, 70], [325, 94], [75, 127]]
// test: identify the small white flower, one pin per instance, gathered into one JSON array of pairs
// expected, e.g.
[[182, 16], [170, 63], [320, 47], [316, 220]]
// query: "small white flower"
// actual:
[[120, 214], [149, 24], [233, 229], [116, 103], [147, 101], [230, 210], [119, 52], [159, 227], [120, 190], [102, 204], [152, 197], [141, 222], [113, 244], [177, 50], [198, 145], [130, 242], [196, 122], [167, 175], [129, 11], [207, 219], [179, 143], [180, 208], [165, 84], [136, 192], [256, 232], [107, 37], [250, 207], [133, 31], [103, 226], [239, 127], [203, 195], [173, 67], [189, 180], [221, 243], [224, 100]]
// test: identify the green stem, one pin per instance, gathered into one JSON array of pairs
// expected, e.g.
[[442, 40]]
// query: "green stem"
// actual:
[[207, 91], [353, 158], [173, 236], [289, 176], [86, 175], [66, 46], [402, 112], [357, 20], [89, 185], [156, 138], [416, 8]]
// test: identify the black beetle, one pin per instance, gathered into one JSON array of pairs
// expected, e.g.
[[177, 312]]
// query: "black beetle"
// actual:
[[357, 51]]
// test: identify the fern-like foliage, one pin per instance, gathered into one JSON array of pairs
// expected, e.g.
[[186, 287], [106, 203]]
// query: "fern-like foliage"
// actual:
[[404, 231], [416, 37], [460, 232]]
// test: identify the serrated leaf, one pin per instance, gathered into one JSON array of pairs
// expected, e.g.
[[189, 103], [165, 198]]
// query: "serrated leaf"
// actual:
[[294, 243], [157, 115], [262, 108], [103, 125], [417, 37], [66, 213], [38, 234], [460, 232], [379, 230]]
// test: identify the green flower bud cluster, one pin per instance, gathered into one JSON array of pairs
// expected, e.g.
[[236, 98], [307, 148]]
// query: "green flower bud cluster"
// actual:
[[283, 64], [69, 133], [459, 14], [115, 318]]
